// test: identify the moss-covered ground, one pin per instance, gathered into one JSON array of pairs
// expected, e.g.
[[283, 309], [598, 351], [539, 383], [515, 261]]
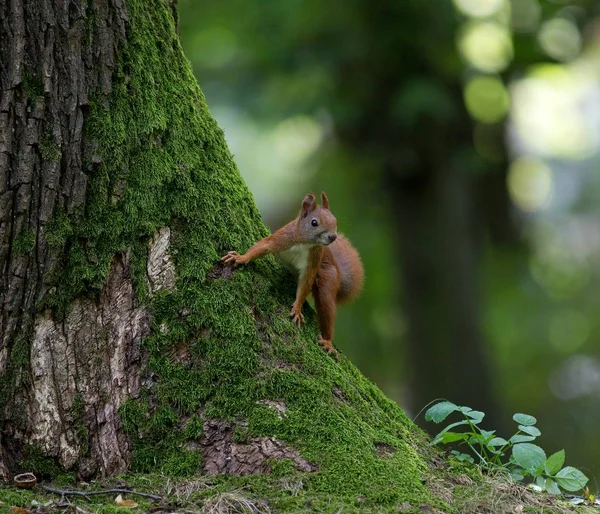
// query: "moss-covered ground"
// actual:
[[271, 495], [161, 160]]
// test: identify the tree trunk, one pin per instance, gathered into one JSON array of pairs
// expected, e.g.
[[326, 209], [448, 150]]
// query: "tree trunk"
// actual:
[[53, 61], [125, 344], [407, 89], [439, 247]]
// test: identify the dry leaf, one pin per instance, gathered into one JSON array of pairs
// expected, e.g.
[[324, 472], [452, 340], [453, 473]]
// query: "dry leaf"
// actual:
[[125, 503], [19, 510], [519, 509]]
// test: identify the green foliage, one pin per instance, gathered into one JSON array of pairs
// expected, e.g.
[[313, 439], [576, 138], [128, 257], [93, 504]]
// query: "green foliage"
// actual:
[[526, 459], [35, 461], [16, 375], [49, 148], [24, 242], [33, 86]]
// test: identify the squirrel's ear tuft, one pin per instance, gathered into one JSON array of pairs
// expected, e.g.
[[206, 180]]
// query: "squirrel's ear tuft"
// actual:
[[324, 200], [309, 204]]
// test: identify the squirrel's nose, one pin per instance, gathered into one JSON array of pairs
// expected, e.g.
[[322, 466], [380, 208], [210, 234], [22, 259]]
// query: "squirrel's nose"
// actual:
[[332, 237]]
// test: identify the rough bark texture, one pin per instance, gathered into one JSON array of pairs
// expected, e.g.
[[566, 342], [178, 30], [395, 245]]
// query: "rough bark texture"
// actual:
[[125, 344], [52, 61], [82, 370]]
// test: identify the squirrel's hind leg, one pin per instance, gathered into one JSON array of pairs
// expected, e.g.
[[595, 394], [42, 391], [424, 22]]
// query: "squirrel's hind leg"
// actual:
[[325, 292]]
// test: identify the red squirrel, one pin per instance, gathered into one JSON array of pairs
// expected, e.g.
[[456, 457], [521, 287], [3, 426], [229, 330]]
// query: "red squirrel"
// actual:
[[324, 261]]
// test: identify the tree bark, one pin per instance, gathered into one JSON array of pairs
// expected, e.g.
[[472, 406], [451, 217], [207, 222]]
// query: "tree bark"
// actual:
[[125, 344], [52, 62]]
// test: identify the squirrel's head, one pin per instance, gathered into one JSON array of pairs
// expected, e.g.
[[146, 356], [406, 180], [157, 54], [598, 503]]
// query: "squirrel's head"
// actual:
[[316, 223]]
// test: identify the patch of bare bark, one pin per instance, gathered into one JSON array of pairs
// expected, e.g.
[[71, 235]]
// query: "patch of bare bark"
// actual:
[[222, 455], [82, 370], [160, 269]]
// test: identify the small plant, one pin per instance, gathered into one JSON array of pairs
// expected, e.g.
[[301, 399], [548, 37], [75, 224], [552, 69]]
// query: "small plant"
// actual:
[[526, 459]]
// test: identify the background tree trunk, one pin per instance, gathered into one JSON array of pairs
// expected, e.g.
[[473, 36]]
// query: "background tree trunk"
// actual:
[[126, 345], [413, 122]]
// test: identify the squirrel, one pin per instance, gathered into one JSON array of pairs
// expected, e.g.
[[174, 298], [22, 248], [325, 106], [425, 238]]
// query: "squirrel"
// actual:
[[324, 261]]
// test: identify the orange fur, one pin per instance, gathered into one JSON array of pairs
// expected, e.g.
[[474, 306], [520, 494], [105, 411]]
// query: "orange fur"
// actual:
[[327, 265]]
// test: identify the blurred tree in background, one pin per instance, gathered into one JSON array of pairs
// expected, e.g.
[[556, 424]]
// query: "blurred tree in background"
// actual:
[[458, 141]]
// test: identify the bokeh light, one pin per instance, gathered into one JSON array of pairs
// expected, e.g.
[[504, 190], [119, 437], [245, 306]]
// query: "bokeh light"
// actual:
[[289, 145], [560, 276], [487, 46], [530, 184], [486, 99], [549, 115], [560, 39], [297, 138], [479, 8], [525, 15], [577, 376], [569, 330]]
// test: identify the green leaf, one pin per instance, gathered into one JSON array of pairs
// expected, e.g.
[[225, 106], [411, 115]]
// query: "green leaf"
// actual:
[[487, 434], [438, 437], [497, 441], [518, 438], [464, 410], [552, 486], [554, 462], [476, 438], [524, 419], [530, 430], [476, 416], [440, 411], [541, 482], [450, 437], [571, 479], [530, 457], [517, 475], [462, 456]]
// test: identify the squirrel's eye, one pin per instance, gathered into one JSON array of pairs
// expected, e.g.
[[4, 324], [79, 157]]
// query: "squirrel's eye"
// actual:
[[314, 223]]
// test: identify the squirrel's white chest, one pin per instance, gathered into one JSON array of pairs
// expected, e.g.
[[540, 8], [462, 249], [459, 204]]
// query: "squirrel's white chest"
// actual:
[[296, 258]]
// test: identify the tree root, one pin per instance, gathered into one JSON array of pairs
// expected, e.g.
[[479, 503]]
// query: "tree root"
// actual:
[[87, 494]]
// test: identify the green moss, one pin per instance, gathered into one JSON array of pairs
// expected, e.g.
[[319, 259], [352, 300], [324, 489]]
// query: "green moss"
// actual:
[[59, 229], [33, 86], [17, 372], [49, 148], [194, 428], [37, 462], [289, 495], [15, 498], [155, 135], [24, 243]]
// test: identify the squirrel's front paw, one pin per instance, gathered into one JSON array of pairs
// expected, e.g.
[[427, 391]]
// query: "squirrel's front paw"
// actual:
[[296, 314], [233, 258], [327, 346]]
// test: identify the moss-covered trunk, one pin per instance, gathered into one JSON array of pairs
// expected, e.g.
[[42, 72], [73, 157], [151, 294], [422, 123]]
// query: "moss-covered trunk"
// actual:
[[125, 344]]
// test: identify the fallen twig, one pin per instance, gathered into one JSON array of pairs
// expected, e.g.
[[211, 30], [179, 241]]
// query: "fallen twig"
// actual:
[[86, 494]]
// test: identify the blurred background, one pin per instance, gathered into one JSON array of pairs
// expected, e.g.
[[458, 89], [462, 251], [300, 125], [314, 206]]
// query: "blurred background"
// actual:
[[458, 141]]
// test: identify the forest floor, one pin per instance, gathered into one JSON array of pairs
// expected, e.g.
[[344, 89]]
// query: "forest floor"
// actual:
[[261, 494]]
